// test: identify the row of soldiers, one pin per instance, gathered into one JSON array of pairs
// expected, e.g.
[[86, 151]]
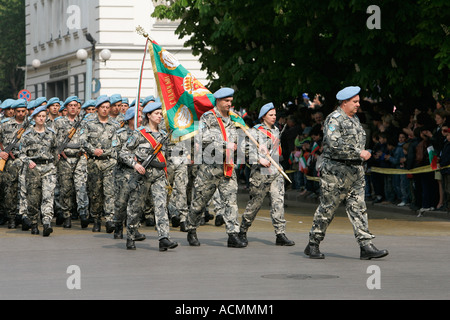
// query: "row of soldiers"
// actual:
[[90, 158]]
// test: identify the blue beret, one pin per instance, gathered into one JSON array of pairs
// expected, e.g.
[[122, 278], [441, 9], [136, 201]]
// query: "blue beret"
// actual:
[[347, 93], [125, 100], [115, 98], [39, 101], [69, 100], [53, 101], [100, 100], [7, 103], [31, 104], [223, 93], [38, 110], [129, 114], [20, 103], [134, 102], [265, 108], [89, 103], [147, 100], [152, 106]]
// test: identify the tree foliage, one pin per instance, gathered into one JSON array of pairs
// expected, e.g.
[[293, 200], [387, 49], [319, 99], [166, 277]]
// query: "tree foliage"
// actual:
[[274, 50], [12, 47]]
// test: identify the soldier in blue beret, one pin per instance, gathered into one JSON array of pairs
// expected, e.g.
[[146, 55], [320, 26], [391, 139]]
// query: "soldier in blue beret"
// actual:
[[125, 105], [342, 176], [53, 111], [116, 104]]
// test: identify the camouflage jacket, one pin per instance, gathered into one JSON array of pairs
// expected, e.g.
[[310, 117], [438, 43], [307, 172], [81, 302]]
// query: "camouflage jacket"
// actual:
[[211, 134], [62, 126], [343, 137], [122, 137], [138, 147], [35, 146], [98, 135], [8, 131]]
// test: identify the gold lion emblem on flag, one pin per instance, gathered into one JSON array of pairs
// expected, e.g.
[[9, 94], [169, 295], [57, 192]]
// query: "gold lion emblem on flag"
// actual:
[[193, 86], [183, 118], [168, 60]]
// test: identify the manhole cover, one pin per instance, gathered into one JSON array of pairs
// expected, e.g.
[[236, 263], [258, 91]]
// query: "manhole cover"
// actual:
[[299, 276]]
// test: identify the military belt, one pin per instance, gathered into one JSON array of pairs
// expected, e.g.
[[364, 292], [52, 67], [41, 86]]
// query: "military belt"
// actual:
[[349, 162], [101, 157], [40, 161]]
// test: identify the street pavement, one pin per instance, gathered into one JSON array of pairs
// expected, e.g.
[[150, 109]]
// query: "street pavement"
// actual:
[[77, 264]]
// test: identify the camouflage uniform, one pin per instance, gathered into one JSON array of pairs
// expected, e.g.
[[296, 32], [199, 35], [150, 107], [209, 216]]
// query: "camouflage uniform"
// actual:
[[154, 180], [265, 180], [41, 180], [72, 170], [342, 177], [211, 176], [11, 172], [123, 175], [101, 185], [177, 169]]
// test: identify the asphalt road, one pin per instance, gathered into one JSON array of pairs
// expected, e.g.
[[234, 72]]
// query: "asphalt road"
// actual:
[[79, 264]]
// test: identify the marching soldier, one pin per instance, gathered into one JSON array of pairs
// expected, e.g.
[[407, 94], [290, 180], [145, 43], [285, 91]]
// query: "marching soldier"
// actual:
[[72, 166], [123, 175], [218, 134], [342, 176], [116, 105], [12, 164], [99, 141], [264, 179], [153, 179], [53, 106], [37, 151]]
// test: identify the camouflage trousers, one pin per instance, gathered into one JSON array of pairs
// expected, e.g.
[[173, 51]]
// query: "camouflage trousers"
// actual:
[[72, 178], [101, 188], [178, 179], [123, 176], [209, 178], [10, 181], [260, 185], [341, 182], [40, 185], [155, 182]]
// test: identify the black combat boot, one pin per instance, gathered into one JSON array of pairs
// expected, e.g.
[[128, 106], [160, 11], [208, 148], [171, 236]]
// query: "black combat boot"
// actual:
[[192, 238], [219, 220], [67, 223], [165, 244], [84, 218], [208, 216], [26, 223], [234, 241], [130, 244], [97, 225], [139, 236], [175, 221], [11, 223], [118, 231], [243, 237], [47, 229], [370, 251], [34, 228], [282, 240], [110, 226], [312, 250], [183, 227]]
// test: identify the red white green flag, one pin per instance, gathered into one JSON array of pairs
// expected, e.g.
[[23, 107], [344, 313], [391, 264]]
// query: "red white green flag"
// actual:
[[184, 99]]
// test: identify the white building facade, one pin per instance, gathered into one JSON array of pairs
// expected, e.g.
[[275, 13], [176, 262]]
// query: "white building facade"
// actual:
[[57, 29]]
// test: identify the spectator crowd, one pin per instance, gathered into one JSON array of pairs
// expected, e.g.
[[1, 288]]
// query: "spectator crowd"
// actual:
[[413, 139]]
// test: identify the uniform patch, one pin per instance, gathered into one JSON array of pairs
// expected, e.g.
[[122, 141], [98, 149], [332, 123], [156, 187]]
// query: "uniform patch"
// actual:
[[331, 127]]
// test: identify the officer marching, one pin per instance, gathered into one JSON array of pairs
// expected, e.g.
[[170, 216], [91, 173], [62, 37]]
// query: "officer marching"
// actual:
[[342, 177]]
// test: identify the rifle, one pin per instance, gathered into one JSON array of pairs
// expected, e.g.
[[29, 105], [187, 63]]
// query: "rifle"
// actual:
[[17, 137], [70, 135], [152, 156]]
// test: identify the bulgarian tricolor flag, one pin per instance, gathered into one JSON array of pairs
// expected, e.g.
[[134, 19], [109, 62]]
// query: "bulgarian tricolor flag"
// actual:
[[433, 157], [184, 99]]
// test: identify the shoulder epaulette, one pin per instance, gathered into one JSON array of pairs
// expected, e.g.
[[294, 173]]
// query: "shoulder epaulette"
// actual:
[[5, 120], [121, 130]]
